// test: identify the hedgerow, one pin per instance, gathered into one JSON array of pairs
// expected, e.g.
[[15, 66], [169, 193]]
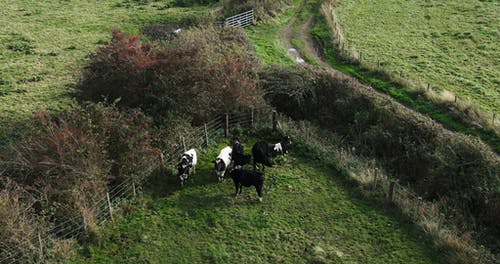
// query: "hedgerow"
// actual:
[[437, 163]]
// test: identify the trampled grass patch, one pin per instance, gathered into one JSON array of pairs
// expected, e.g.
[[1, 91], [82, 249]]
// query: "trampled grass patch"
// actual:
[[452, 45], [309, 213]]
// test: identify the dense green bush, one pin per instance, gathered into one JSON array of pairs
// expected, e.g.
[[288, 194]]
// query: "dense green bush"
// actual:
[[201, 72], [438, 164]]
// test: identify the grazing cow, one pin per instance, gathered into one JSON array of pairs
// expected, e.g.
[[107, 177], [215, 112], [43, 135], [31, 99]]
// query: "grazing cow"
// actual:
[[239, 156], [187, 162], [222, 162], [263, 152], [248, 178]]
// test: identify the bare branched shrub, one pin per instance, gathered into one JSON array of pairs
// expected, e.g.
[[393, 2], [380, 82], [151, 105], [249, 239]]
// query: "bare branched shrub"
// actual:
[[19, 226], [74, 157]]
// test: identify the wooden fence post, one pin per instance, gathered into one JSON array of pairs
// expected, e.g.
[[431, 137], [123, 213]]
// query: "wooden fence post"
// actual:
[[253, 125], [84, 220], [440, 221], [428, 86], [275, 121], [455, 98], [184, 143], [417, 206], [40, 247], [162, 162], [390, 192], [133, 189], [226, 126], [109, 207], [206, 134], [375, 179]]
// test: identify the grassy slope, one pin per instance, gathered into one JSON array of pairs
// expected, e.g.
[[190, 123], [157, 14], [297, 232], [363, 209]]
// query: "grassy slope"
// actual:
[[307, 205], [266, 38], [43, 44], [404, 95], [453, 45]]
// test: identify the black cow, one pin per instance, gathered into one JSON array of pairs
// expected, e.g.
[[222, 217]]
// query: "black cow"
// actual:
[[248, 178], [238, 155], [263, 152]]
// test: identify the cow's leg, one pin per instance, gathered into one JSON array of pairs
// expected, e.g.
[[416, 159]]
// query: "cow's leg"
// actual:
[[259, 191], [241, 187], [236, 187]]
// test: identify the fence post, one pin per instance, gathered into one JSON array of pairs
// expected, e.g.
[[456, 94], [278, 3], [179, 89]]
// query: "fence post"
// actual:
[[417, 207], [206, 135], [226, 126], [493, 119], [275, 120], [252, 117], [428, 86], [133, 189], [40, 247], [183, 143], [440, 221], [375, 179], [390, 192], [84, 220], [455, 98], [162, 162], [109, 207]]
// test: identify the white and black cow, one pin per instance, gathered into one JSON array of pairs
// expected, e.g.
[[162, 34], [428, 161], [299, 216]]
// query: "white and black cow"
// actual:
[[247, 178], [238, 154], [263, 152], [187, 163], [222, 162]]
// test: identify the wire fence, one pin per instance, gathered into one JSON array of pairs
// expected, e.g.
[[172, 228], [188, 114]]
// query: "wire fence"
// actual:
[[376, 182], [364, 171], [38, 244]]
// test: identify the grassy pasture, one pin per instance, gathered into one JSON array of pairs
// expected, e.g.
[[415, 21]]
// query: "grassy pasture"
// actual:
[[452, 45], [43, 45], [309, 213]]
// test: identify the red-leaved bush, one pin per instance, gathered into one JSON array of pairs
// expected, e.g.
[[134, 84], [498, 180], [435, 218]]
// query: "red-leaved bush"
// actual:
[[201, 72], [75, 157]]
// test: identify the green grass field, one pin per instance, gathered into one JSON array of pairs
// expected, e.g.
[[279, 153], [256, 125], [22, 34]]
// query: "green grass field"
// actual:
[[452, 45], [44, 44], [309, 213]]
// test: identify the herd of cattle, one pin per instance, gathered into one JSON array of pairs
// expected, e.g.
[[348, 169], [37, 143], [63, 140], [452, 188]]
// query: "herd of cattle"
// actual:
[[262, 153]]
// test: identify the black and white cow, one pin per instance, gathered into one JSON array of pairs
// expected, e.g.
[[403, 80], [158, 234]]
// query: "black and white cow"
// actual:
[[238, 155], [187, 163], [247, 178], [263, 152], [222, 162]]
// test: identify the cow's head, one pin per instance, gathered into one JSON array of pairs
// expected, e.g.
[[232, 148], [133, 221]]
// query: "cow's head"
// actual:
[[183, 167], [219, 165], [285, 143]]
